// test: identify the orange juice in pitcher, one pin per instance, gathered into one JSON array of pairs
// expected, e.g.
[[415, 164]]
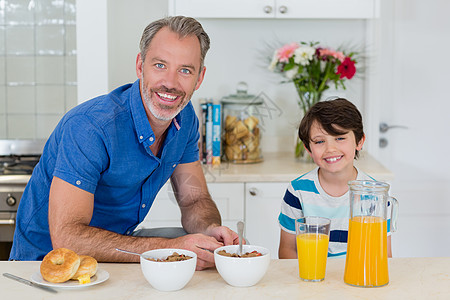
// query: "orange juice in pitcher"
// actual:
[[366, 264], [366, 261]]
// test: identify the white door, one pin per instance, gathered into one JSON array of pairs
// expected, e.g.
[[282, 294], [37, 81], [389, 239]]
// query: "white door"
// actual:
[[414, 85]]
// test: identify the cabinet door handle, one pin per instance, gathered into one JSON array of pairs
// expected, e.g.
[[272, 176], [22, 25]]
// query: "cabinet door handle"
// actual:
[[283, 9], [8, 222], [267, 9], [253, 191]]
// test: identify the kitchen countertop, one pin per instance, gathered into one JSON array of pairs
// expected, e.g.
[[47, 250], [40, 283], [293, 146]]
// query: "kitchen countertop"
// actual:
[[410, 278], [284, 167], [276, 167]]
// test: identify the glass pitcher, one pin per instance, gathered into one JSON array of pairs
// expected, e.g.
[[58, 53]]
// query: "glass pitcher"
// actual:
[[367, 262], [242, 131]]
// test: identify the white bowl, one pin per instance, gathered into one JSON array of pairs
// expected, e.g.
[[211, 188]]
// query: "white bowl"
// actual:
[[242, 271], [168, 276]]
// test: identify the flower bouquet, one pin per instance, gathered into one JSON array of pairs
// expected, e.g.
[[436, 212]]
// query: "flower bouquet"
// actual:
[[312, 68]]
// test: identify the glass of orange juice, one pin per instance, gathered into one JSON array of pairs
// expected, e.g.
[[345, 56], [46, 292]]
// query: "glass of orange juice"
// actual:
[[313, 234]]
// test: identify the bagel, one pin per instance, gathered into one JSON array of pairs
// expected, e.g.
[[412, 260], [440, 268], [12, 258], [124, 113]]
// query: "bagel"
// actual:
[[59, 265], [87, 269]]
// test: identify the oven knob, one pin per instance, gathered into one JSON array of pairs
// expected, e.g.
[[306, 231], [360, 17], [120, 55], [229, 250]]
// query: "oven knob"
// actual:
[[11, 201]]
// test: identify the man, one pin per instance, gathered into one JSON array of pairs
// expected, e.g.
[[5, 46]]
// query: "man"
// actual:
[[108, 157]]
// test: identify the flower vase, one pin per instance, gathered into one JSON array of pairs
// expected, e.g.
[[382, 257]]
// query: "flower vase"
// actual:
[[307, 98], [301, 153], [299, 147]]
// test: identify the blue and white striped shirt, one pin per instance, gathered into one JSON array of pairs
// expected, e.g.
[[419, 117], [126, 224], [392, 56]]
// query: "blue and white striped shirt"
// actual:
[[305, 197]]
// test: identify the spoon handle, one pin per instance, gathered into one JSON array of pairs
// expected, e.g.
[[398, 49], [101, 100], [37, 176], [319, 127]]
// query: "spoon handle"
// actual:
[[129, 252], [240, 228]]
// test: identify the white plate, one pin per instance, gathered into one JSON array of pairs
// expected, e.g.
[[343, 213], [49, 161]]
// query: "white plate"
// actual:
[[100, 277]]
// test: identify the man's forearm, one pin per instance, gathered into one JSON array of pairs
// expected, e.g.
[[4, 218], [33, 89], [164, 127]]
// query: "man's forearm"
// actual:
[[200, 214], [198, 210], [101, 244]]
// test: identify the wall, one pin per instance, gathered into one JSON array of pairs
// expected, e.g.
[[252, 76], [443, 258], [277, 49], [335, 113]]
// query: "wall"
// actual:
[[92, 48], [237, 55], [37, 66], [126, 21]]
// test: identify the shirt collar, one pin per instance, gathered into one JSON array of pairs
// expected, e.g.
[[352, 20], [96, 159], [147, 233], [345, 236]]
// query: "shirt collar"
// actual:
[[175, 122], [144, 131]]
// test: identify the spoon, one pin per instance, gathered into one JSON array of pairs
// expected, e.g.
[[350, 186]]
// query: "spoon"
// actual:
[[240, 228], [134, 253]]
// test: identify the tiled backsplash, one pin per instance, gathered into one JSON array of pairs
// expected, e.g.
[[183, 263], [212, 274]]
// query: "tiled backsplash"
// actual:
[[38, 80]]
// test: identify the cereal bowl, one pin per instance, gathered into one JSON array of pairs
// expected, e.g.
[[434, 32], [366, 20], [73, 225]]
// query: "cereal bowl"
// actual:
[[242, 271], [168, 275]]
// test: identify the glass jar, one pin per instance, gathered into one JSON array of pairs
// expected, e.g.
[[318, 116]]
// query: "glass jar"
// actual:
[[241, 126]]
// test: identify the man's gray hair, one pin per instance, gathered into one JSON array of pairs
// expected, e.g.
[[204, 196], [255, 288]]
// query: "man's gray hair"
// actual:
[[183, 26]]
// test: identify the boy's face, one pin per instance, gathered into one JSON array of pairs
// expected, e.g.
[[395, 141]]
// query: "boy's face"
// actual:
[[333, 153]]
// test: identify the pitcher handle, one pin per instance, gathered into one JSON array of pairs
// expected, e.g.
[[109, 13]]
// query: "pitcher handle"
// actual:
[[394, 214]]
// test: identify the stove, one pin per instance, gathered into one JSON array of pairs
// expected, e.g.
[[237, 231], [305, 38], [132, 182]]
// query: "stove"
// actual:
[[17, 164], [17, 161]]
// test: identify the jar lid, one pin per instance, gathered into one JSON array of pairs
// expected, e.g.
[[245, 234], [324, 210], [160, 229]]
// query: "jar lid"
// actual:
[[241, 96]]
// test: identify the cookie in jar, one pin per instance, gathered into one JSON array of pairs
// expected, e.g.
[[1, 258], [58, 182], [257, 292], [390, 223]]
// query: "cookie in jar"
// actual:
[[241, 127]]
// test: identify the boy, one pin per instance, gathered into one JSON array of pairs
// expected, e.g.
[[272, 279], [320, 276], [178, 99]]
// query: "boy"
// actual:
[[332, 132]]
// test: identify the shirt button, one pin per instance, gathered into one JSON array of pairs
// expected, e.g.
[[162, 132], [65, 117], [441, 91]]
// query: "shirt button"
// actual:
[[143, 205], [174, 165], [141, 137], [151, 139], [128, 232], [78, 182]]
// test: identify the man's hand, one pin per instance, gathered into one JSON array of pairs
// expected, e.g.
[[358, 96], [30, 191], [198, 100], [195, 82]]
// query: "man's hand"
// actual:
[[202, 245], [205, 244], [223, 234]]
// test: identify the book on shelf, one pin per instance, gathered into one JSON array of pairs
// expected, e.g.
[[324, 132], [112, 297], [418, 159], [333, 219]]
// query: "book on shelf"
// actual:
[[209, 127], [202, 147], [210, 143], [216, 134]]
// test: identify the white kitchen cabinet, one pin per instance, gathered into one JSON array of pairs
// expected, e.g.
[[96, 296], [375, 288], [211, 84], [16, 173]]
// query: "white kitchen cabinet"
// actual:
[[229, 198], [283, 9], [222, 8], [255, 203], [262, 207]]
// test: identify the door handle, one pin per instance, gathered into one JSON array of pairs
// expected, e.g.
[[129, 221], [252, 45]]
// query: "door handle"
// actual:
[[385, 127], [8, 222], [253, 191]]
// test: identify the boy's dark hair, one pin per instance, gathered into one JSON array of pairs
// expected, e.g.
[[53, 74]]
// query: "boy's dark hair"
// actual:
[[329, 114]]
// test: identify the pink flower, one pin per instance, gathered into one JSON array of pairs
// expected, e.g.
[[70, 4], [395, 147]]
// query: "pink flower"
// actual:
[[324, 53], [346, 68], [286, 52]]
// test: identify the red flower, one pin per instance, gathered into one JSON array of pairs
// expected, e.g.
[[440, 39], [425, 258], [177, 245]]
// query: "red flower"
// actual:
[[347, 68]]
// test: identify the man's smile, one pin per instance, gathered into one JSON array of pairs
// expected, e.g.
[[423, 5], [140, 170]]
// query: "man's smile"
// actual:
[[167, 97]]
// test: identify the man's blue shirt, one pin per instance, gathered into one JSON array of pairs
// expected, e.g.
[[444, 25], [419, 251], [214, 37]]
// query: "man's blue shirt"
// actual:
[[102, 146]]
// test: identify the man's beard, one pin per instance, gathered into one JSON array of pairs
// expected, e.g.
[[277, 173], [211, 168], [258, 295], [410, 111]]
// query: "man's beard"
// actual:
[[160, 111]]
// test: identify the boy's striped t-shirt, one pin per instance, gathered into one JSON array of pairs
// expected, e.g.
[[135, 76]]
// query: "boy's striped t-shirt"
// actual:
[[305, 197]]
